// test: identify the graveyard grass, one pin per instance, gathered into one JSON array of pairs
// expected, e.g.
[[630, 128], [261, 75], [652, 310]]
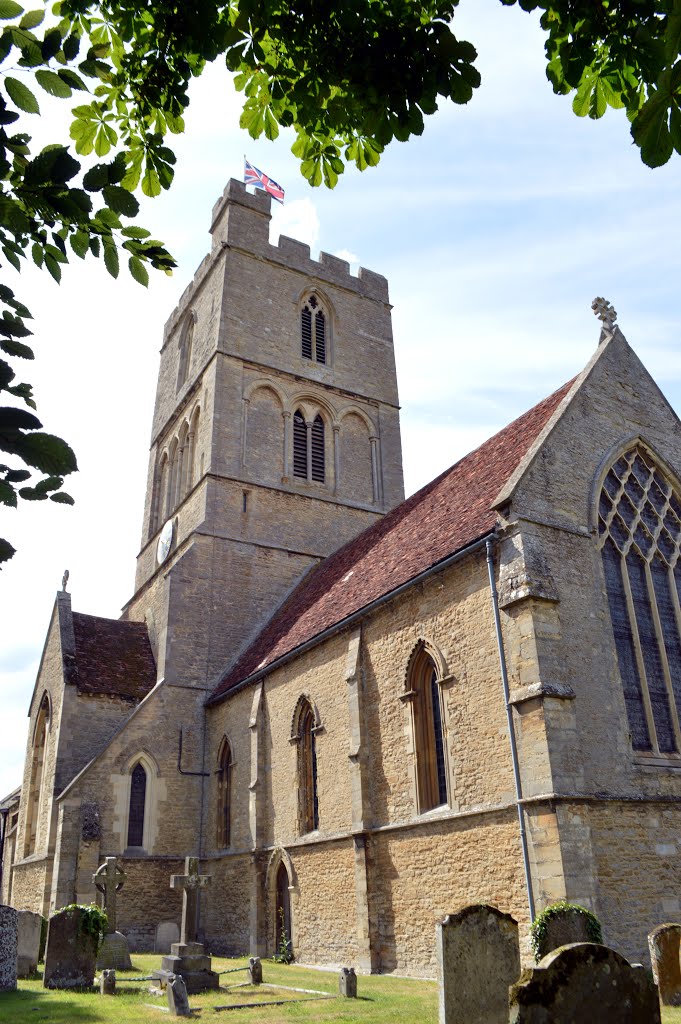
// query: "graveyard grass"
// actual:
[[382, 999]]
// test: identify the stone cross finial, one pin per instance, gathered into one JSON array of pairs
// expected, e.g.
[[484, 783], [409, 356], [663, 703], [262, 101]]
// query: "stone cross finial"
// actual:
[[605, 312], [65, 580], [190, 883], [108, 879]]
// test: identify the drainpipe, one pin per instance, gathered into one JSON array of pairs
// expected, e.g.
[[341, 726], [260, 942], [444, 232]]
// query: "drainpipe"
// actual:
[[511, 729]]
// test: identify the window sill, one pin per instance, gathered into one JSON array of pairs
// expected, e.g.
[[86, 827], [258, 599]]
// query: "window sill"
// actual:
[[658, 760]]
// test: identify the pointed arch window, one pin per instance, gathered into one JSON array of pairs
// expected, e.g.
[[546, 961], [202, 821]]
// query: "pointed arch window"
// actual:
[[308, 800], [36, 785], [309, 448], [185, 347], [639, 526], [313, 330], [138, 795], [428, 730], [224, 810]]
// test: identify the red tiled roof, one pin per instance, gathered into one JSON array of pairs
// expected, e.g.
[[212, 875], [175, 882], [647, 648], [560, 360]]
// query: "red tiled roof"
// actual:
[[113, 657], [435, 522]]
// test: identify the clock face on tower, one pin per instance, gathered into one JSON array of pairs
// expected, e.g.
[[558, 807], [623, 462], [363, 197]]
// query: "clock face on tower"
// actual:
[[164, 542]]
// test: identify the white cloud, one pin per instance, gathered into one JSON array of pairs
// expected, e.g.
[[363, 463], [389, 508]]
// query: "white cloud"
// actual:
[[296, 219]]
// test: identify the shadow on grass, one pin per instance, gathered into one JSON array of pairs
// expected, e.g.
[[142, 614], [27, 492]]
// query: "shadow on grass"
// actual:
[[41, 1005]]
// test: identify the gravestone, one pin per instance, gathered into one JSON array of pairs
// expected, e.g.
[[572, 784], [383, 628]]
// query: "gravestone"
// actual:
[[478, 957], [665, 951], [8, 948], [29, 926], [113, 952], [167, 932], [187, 957], [565, 925], [178, 1003], [71, 952], [255, 970], [107, 983], [584, 982], [347, 982]]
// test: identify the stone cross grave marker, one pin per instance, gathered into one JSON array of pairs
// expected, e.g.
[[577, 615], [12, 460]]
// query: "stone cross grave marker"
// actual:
[[478, 958], [665, 946], [109, 879], [191, 882]]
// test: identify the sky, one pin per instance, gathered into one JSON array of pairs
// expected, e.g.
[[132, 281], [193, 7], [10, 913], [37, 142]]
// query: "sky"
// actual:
[[496, 229]]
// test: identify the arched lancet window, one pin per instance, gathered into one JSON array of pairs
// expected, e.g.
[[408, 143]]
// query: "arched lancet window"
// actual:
[[138, 795], [308, 802], [224, 809], [429, 740], [309, 448], [33, 805], [283, 910], [313, 330], [639, 526], [185, 347], [161, 493]]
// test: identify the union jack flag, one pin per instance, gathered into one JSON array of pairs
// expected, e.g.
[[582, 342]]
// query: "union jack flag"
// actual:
[[252, 176]]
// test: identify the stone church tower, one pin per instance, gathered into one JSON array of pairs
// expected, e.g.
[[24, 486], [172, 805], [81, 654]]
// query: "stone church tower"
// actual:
[[275, 437]]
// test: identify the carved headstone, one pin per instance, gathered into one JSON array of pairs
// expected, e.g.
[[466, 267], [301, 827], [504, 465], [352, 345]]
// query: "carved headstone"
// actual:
[[347, 982], [29, 926], [255, 970], [71, 951], [665, 953], [114, 952], [563, 926], [178, 1003], [584, 982], [478, 957], [107, 983], [8, 948], [167, 932]]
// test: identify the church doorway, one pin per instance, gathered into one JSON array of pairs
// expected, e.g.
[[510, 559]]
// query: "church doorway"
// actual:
[[283, 944]]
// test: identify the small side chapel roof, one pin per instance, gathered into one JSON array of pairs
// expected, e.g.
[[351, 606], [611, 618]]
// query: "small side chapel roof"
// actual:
[[446, 515], [113, 657]]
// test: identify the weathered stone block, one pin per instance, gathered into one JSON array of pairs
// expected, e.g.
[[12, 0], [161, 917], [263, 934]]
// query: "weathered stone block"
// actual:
[[107, 982], [665, 950], [29, 927], [347, 982], [478, 959], [71, 953], [584, 982], [8, 949], [178, 1003], [114, 952], [255, 970]]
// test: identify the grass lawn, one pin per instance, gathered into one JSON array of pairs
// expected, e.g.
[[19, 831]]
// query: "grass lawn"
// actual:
[[381, 1000]]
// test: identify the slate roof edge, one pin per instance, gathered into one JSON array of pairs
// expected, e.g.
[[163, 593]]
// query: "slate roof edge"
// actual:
[[112, 737], [349, 620]]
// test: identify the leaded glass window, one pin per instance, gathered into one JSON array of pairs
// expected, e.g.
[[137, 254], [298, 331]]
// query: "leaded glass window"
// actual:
[[429, 740], [307, 770], [639, 526], [138, 795]]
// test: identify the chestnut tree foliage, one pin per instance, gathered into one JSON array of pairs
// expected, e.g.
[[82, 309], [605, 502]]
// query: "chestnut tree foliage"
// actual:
[[348, 77]]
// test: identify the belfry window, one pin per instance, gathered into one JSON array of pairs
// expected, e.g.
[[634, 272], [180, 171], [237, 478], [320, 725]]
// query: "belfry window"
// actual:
[[308, 448], [313, 330], [224, 794], [639, 526], [429, 741], [138, 795]]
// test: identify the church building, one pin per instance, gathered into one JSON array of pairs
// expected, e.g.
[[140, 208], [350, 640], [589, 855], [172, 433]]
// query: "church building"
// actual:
[[363, 713]]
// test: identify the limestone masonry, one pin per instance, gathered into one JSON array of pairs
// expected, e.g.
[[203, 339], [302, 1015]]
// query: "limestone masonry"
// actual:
[[305, 690]]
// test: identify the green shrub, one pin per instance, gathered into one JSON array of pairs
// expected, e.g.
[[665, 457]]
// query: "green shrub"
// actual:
[[539, 926]]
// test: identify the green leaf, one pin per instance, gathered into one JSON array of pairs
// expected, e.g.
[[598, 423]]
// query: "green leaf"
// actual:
[[62, 498], [80, 243], [151, 186], [18, 419], [53, 267], [32, 19], [52, 84], [6, 550], [9, 9], [44, 452], [16, 348], [37, 253], [8, 496], [71, 78], [138, 271], [21, 94], [134, 232], [120, 200], [111, 258]]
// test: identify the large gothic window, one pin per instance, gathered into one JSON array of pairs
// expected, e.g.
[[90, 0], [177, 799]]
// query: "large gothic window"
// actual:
[[639, 525], [35, 791], [138, 795], [308, 802], [313, 323], [308, 448], [224, 794], [429, 741]]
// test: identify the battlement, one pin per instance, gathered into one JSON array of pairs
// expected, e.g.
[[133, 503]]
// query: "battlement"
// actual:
[[242, 221]]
